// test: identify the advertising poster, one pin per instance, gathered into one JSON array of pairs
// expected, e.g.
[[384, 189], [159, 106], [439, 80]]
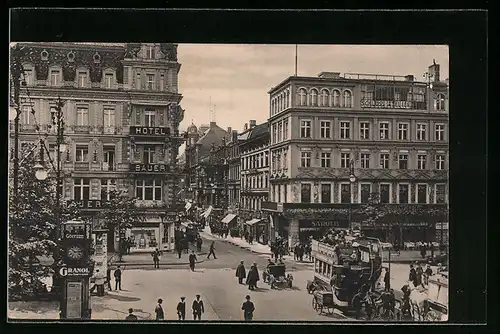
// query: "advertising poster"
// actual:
[[74, 300], [100, 257]]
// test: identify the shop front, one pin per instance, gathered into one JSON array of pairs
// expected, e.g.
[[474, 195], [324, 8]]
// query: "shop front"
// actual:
[[155, 233]]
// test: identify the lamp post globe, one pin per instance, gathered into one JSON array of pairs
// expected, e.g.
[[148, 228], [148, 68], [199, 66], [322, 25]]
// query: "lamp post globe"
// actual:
[[40, 173], [12, 113]]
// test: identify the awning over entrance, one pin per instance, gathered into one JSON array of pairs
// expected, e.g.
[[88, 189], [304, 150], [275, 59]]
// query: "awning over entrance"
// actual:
[[253, 221], [228, 218], [188, 206], [207, 212]]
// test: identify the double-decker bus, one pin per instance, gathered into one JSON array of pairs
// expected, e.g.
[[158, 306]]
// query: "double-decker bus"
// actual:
[[344, 270]]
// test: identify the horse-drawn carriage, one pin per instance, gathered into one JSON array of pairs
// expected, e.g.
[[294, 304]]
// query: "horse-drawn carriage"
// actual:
[[276, 276]]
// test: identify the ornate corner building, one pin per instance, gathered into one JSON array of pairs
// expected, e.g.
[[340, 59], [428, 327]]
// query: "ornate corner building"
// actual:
[[394, 132], [122, 113]]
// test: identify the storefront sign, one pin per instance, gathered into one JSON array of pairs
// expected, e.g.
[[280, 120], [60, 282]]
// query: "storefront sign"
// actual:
[[323, 224], [149, 131], [386, 104], [74, 271], [151, 168], [76, 231], [74, 300], [88, 204]]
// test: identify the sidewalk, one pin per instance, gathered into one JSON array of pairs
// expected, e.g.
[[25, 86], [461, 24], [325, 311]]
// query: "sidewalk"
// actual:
[[166, 259], [405, 256], [256, 247]]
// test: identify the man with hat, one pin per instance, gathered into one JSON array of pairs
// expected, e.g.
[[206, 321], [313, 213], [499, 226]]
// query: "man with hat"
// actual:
[[198, 308], [248, 309], [241, 272], [159, 310], [131, 315], [181, 309]]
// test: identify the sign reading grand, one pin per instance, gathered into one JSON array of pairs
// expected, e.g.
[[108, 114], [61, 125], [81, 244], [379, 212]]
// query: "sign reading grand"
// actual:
[[151, 168], [149, 131], [323, 223], [386, 104]]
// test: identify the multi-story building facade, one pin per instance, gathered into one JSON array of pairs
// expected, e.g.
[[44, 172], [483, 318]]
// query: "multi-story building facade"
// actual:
[[254, 157], [234, 173], [390, 132], [121, 113], [205, 177]]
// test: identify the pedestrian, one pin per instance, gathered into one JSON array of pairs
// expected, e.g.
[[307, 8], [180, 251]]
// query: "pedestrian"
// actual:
[[192, 260], [413, 275], [276, 252], [156, 258], [253, 277], [296, 252], [248, 309], [131, 315], [250, 239], [387, 280], [178, 247], [420, 272], [301, 253], [108, 278], [129, 244], [99, 282], [247, 234], [118, 278], [159, 310], [181, 309], [198, 308], [241, 272], [199, 242], [357, 303], [212, 250], [423, 250], [185, 244]]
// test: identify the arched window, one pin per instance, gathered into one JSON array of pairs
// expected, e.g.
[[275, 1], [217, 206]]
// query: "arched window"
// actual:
[[325, 98], [336, 98], [302, 97], [314, 97], [347, 99], [440, 102]]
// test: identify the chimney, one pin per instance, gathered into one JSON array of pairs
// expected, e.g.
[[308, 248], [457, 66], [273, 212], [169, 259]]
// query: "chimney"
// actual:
[[234, 135], [434, 70], [329, 75], [245, 127], [213, 124], [410, 77], [229, 129], [252, 123]]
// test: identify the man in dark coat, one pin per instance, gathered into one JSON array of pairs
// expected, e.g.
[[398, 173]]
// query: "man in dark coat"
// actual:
[[253, 277], [156, 258], [413, 275], [241, 272], [108, 278], [192, 260], [178, 248], [131, 315], [118, 278], [212, 250], [357, 303], [198, 308], [419, 271], [199, 242], [248, 309], [387, 280], [181, 309]]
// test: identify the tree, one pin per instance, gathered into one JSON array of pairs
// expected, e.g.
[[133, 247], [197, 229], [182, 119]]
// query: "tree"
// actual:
[[32, 227], [119, 213]]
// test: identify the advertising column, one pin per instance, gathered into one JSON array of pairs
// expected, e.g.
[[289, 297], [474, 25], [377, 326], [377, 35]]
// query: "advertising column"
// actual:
[[293, 232]]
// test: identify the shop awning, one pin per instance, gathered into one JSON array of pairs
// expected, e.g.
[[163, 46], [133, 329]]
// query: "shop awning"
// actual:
[[228, 218], [253, 221], [207, 212], [188, 206]]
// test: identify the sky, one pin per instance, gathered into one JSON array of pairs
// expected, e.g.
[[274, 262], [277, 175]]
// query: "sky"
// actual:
[[237, 77]]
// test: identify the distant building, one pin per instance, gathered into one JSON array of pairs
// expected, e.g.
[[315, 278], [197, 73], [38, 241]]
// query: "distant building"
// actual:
[[394, 132]]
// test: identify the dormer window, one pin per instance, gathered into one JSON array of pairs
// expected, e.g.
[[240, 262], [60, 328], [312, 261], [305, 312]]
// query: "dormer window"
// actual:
[[108, 80], [55, 78], [28, 76], [150, 52], [82, 79]]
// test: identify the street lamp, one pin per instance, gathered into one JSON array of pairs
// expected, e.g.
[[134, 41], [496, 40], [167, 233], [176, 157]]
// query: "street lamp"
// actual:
[[352, 179]]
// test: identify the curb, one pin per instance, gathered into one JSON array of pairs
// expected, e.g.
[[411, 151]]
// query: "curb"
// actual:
[[152, 264]]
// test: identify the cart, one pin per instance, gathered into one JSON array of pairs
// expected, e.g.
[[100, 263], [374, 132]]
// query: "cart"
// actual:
[[323, 301], [275, 276]]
